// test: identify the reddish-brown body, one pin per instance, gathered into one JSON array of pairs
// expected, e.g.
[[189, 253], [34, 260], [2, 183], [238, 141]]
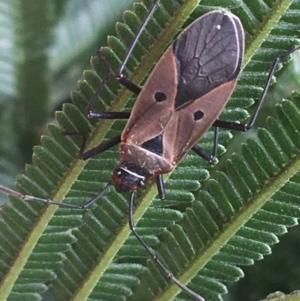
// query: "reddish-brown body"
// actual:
[[180, 125]]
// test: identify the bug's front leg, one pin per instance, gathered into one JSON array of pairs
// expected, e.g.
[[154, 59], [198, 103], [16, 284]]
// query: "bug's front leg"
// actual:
[[153, 256]]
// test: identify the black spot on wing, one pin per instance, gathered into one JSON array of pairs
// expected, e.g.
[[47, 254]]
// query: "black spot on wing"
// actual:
[[160, 96], [208, 53], [198, 115]]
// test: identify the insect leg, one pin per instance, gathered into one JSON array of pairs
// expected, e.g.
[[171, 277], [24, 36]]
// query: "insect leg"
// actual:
[[30, 198], [96, 150], [203, 154], [248, 126], [90, 105], [84, 137], [120, 77], [110, 115], [153, 256], [160, 187], [101, 147], [129, 85], [119, 74]]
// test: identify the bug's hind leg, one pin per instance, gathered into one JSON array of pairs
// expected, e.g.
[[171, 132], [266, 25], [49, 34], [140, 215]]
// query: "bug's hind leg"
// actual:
[[122, 80], [84, 137], [203, 154], [102, 147], [246, 127], [243, 127], [119, 74], [99, 115], [84, 155]]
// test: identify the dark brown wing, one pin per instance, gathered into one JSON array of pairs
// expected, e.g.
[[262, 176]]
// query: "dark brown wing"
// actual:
[[187, 125], [215, 72], [208, 53]]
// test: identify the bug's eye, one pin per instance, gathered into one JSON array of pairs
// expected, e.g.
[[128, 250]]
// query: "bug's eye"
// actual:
[[160, 96], [142, 184], [118, 173]]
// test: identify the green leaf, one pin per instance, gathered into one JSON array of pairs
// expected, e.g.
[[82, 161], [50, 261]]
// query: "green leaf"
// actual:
[[204, 235], [44, 48]]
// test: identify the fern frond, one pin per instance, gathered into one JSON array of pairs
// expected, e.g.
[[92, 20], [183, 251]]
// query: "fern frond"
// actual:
[[203, 236]]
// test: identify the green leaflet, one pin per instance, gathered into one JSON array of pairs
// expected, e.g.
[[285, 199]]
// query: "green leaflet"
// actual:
[[215, 230]]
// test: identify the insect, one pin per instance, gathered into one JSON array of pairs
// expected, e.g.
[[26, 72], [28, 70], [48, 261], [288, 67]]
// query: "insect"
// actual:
[[183, 97]]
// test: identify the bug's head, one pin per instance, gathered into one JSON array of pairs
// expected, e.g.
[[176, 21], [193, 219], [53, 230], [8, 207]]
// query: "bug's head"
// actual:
[[126, 180]]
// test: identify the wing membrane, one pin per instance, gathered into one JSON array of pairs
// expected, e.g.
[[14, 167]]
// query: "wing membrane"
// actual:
[[196, 75], [207, 55]]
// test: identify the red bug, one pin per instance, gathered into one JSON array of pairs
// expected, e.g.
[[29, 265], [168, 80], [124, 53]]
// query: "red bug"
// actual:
[[182, 98]]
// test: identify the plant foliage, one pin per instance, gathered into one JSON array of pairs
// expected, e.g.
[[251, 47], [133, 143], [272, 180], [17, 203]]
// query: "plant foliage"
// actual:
[[204, 235]]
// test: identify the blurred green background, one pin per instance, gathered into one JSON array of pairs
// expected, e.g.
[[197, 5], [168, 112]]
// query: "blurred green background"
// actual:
[[44, 47]]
